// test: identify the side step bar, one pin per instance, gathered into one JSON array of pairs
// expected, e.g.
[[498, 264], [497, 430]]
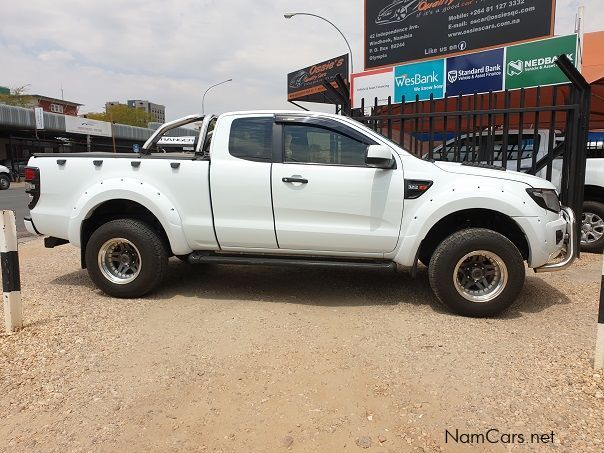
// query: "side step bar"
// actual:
[[264, 260]]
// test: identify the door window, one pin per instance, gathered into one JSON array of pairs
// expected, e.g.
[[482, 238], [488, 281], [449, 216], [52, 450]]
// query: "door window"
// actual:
[[318, 145], [252, 139]]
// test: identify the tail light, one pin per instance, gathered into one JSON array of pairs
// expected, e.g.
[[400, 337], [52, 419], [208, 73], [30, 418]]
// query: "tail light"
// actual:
[[32, 185]]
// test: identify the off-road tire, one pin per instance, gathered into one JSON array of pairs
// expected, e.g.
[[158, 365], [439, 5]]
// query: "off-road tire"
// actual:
[[153, 257], [4, 181], [457, 246], [597, 208]]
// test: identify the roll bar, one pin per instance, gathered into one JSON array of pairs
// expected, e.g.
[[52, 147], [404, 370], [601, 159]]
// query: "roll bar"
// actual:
[[167, 127]]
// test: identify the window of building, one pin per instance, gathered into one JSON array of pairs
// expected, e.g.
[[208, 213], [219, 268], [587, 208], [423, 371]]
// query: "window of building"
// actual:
[[56, 108], [252, 139], [318, 145]]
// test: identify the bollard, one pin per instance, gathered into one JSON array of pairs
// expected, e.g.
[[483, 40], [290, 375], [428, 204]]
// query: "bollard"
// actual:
[[11, 281], [599, 358]]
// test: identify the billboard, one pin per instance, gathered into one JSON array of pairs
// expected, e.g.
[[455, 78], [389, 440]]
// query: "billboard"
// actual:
[[518, 66], [534, 63], [475, 73], [307, 84], [398, 31], [78, 125], [419, 80]]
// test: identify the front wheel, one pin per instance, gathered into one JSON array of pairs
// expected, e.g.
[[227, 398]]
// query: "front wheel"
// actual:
[[477, 272], [4, 181], [126, 258], [592, 227]]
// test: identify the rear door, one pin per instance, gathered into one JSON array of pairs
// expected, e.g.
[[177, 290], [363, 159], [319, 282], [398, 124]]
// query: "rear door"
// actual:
[[325, 197], [240, 179]]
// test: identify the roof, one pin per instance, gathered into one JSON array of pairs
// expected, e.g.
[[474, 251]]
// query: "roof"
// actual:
[[57, 100], [593, 57], [592, 69]]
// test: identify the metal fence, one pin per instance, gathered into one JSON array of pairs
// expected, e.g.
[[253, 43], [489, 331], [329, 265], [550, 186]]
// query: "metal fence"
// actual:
[[541, 131]]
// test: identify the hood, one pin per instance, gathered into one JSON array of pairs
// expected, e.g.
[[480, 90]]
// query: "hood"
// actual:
[[533, 181]]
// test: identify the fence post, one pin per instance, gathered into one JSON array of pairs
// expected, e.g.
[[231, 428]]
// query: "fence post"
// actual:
[[599, 358], [11, 281]]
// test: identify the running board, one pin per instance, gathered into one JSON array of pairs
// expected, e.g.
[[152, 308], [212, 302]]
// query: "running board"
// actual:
[[265, 260]]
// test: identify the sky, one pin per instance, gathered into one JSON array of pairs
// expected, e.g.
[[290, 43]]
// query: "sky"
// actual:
[[170, 51]]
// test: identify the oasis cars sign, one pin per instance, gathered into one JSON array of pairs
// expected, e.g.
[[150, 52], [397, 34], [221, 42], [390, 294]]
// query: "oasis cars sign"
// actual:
[[399, 31], [520, 66], [307, 84]]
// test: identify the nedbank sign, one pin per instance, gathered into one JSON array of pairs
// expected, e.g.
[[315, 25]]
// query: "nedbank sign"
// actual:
[[532, 64]]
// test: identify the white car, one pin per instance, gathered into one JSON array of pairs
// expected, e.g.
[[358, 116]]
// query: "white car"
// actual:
[[4, 177], [304, 189]]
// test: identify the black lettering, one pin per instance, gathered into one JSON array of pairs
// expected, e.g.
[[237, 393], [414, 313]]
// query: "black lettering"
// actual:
[[496, 433], [455, 437]]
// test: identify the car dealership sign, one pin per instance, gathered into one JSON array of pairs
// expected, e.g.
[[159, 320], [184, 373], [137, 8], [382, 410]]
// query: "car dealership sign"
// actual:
[[307, 84], [399, 31], [519, 66]]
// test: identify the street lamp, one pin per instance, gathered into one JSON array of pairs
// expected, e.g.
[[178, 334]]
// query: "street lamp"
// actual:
[[290, 15], [206, 91]]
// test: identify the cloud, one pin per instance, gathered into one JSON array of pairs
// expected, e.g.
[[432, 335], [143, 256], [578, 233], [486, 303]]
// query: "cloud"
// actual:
[[170, 52], [56, 56]]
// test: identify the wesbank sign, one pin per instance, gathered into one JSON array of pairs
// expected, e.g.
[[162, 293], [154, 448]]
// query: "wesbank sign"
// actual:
[[520, 66], [419, 80]]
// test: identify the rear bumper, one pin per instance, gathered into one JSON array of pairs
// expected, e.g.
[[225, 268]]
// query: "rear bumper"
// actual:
[[569, 247]]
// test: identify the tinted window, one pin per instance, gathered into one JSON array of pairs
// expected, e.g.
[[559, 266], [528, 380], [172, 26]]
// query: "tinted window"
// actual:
[[252, 138], [310, 144]]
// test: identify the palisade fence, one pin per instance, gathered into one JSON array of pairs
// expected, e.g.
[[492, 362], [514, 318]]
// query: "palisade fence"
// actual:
[[541, 131]]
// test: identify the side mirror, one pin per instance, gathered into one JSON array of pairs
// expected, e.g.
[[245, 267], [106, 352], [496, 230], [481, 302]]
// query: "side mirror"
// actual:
[[379, 156]]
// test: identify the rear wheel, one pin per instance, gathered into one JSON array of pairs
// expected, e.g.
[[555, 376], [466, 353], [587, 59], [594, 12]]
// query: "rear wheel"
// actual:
[[592, 227], [4, 181], [126, 258], [476, 272]]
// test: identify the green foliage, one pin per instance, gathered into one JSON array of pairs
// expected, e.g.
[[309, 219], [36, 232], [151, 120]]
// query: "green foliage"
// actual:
[[122, 114], [17, 97]]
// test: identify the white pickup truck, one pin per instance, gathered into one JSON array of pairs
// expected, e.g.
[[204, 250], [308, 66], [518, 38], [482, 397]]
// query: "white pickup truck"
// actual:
[[304, 189], [4, 177]]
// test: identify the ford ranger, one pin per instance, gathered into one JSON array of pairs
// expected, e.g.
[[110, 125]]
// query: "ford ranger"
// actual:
[[302, 189]]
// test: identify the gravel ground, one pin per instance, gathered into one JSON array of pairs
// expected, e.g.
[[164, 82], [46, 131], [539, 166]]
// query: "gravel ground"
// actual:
[[250, 359]]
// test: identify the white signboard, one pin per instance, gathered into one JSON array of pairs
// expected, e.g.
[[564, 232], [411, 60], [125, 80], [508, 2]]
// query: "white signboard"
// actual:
[[77, 125], [39, 114], [372, 84]]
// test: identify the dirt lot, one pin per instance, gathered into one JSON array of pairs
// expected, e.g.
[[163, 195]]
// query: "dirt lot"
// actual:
[[260, 359]]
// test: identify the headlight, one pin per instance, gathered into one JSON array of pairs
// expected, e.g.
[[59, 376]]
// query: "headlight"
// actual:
[[546, 198]]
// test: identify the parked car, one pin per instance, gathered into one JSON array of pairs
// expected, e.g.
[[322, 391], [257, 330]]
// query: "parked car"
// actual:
[[4, 178], [468, 148], [303, 189]]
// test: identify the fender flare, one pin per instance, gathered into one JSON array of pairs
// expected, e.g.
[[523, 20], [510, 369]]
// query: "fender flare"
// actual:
[[137, 191], [417, 224]]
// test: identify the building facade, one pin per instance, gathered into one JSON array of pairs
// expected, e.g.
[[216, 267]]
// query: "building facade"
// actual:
[[157, 111], [54, 105]]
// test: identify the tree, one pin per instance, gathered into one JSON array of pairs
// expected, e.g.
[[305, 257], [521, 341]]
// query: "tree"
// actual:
[[122, 114], [17, 97]]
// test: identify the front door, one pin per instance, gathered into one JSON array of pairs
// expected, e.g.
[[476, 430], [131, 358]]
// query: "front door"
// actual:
[[325, 198]]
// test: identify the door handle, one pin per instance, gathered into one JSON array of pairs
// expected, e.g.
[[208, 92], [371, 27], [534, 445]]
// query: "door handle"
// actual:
[[295, 179]]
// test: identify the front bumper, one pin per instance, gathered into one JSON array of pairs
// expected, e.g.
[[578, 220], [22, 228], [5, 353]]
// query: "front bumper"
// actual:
[[569, 248], [29, 226]]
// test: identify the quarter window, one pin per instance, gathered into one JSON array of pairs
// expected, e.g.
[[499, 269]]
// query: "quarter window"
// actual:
[[310, 144], [252, 139]]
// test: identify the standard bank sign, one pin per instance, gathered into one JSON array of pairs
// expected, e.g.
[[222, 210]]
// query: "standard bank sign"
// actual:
[[475, 73]]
